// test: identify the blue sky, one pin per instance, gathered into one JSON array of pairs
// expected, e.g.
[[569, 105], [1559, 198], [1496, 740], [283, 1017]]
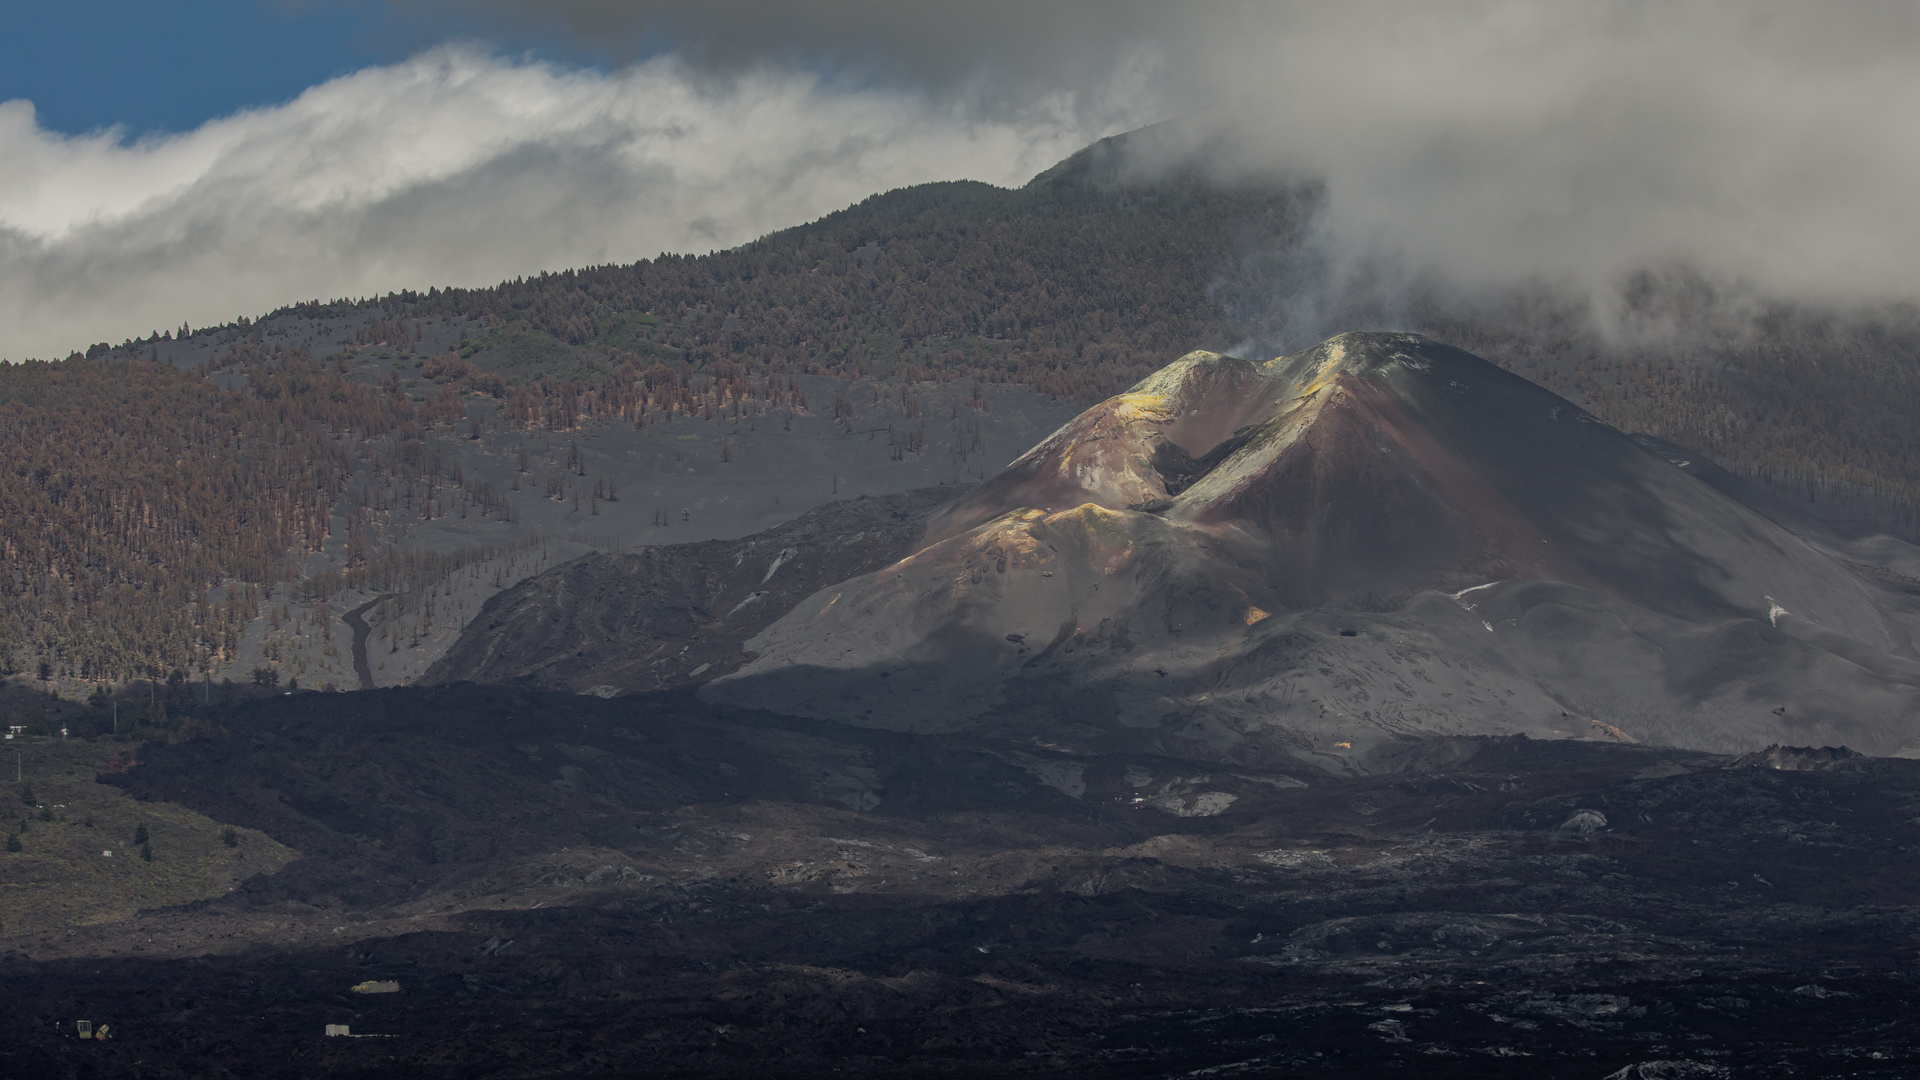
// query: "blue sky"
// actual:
[[166, 67]]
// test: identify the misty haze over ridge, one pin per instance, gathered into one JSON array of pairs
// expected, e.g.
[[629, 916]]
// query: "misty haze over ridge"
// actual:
[[1472, 152]]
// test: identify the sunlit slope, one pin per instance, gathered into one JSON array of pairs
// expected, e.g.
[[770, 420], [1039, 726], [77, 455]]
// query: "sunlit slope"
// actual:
[[1381, 535]]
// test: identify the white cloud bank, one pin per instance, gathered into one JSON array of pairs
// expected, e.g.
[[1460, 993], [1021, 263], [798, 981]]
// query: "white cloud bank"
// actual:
[[1498, 141], [1501, 142], [456, 167]]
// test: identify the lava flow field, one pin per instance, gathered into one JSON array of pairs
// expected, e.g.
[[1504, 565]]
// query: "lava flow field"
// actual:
[[561, 885]]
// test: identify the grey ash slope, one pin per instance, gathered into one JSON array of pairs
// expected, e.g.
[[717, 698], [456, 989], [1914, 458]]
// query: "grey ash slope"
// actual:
[[669, 615], [1378, 538]]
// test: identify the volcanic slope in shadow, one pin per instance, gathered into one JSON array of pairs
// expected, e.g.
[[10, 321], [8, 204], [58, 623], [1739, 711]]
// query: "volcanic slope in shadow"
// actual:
[[1379, 537], [677, 614]]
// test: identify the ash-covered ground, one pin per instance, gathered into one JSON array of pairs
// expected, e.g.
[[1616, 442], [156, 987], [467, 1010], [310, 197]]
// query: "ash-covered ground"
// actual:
[[678, 481], [651, 885]]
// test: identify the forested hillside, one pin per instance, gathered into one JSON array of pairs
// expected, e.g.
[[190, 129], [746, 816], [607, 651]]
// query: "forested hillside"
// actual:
[[1071, 290], [142, 507], [145, 505]]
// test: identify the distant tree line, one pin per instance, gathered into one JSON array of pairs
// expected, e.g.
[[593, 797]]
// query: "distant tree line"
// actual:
[[144, 510]]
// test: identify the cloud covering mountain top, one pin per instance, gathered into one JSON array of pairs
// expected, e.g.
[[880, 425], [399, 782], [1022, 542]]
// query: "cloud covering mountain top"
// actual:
[[1493, 143], [455, 167]]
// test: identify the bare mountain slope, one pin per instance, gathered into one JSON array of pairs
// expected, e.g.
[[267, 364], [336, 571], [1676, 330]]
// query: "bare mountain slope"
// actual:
[[666, 616], [1381, 536]]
